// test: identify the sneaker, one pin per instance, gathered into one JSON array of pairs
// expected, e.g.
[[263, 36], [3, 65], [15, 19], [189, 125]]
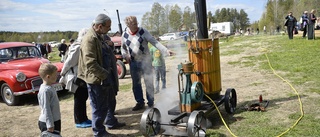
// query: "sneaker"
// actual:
[[83, 125], [88, 121], [138, 106], [117, 126]]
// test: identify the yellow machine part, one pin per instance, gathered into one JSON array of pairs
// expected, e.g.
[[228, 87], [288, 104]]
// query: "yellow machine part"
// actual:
[[205, 55]]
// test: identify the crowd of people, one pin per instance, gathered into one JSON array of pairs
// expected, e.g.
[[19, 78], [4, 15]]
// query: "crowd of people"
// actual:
[[90, 71], [307, 24], [44, 48]]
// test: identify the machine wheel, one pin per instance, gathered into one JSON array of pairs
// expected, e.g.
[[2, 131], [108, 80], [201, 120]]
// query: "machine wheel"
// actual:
[[230, 100], [121, 69], [197, 124], [150, 122], [197, 91], [7, 95]]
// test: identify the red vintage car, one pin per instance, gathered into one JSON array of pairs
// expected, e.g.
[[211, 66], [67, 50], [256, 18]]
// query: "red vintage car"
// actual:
[[19, 64]]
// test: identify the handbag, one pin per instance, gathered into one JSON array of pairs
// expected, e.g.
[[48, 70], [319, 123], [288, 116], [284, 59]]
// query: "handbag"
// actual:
[[295, 30], [79, 82]]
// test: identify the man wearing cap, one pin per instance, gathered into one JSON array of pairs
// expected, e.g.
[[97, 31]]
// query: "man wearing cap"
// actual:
[[92, 71]]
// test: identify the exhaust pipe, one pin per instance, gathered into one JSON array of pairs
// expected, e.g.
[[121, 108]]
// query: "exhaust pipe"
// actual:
[[201, 17]]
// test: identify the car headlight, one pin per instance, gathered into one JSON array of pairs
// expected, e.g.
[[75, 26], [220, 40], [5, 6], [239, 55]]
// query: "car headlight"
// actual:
[[21, 77]]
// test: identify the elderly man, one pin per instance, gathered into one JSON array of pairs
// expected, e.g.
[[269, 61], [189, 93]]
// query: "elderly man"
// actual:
[[93, 72], [136, 51]]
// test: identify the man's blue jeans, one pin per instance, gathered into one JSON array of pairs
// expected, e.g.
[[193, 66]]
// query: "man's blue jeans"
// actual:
[[160, 72], [138, 69], [99, 104]]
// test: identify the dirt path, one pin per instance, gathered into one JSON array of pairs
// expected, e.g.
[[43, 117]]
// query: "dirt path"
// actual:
[[249, 84]]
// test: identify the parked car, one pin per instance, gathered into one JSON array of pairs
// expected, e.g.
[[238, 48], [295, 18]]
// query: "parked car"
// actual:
[[169, 36], [19, 64], [54, 44]]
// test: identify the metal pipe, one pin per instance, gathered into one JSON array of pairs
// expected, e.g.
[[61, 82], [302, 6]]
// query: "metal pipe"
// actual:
[[201, 17], [120, 27]]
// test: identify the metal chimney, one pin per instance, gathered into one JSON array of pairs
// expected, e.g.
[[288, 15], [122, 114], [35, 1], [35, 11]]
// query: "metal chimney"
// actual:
[[201, 17]]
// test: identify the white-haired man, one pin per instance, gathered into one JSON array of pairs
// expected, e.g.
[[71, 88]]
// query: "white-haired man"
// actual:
[[62, 49], [136, 51]]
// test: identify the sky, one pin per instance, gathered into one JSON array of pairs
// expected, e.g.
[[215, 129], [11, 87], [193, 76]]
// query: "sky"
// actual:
[[73, 15]]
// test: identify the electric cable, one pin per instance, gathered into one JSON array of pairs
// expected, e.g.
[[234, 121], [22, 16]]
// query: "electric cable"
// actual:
[[225, 124], [300, 102]]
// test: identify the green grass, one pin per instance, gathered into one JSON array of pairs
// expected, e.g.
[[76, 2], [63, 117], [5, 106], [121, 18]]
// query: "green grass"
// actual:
[[125, 87], [54, 55], [297, 61], [298, 58]]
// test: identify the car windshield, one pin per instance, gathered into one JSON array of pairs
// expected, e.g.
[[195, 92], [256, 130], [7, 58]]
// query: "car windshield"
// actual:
[[19, 53]]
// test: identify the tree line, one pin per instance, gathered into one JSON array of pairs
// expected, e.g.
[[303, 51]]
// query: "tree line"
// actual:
[[169, 18], [158, 21], [38, 37]]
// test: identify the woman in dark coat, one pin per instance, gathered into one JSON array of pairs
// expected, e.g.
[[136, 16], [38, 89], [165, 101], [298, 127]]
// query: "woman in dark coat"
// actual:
[[291, 24], [312, 21]]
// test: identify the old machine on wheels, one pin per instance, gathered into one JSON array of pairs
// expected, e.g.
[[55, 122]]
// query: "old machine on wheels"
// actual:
[[200, 94]]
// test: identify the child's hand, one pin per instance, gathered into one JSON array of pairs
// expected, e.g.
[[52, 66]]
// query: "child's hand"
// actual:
[[50, 129]]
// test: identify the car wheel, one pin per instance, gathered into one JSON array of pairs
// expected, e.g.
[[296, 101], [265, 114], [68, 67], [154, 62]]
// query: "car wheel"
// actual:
[[7, 95], [121, 68], [171, 38]]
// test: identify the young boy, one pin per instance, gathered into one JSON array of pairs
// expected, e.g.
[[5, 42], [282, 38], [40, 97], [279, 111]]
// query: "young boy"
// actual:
[[159, 66], [49, 119]]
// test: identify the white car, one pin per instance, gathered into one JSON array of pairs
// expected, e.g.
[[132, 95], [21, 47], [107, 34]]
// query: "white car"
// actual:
[[53, 43], [169, 36]]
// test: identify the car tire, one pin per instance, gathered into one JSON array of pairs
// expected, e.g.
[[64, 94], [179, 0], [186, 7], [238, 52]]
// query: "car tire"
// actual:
[[171, 38], [7, 95], [121, 68]]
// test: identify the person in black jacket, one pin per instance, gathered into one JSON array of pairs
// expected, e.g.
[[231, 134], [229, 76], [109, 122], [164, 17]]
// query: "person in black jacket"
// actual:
[[43, 50], [62, 49], [111, 82], [291, 24]]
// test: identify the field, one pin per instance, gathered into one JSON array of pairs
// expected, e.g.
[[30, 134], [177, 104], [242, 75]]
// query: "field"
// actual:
[[285, 72]]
